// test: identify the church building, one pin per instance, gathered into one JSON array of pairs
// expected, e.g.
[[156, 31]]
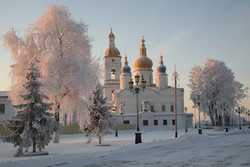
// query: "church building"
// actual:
[[155, 102]]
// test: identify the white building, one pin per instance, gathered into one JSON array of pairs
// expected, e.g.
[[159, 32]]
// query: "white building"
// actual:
[[6, 109], [156, 102]]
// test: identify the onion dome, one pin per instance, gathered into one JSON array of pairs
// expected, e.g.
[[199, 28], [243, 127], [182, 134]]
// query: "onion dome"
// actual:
[[143, 61], [112, 50], [161, 68], [125, 68]]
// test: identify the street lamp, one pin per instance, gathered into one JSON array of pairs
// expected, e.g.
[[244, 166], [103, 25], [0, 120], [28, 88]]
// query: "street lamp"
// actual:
[[116, 130], [136, 90], [175, 75], [239, 111], [197, 101], [248, 119], [186, 129], [194, 119]]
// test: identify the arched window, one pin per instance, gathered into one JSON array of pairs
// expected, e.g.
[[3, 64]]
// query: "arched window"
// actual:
[[113, 74]]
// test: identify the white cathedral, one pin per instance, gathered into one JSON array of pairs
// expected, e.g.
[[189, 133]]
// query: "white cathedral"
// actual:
[[156, 101]]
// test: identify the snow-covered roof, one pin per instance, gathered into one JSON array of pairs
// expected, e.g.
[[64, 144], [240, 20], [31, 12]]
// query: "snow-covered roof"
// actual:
[[4, 93]]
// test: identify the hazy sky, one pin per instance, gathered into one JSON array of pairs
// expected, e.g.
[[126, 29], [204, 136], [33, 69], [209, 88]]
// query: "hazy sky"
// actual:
[[186, 32]]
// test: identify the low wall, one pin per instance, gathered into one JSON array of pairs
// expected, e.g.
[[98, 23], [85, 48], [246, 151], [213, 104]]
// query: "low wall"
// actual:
[[72, 129]]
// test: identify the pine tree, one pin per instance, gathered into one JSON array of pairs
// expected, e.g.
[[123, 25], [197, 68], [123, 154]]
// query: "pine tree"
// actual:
[[32, 124], [100, 119]]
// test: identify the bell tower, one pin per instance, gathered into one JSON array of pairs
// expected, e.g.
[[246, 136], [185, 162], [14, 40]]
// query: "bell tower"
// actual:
[[111, 68]]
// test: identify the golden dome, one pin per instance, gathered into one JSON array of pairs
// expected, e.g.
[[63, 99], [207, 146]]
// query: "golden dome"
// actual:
[[143, 61], [112, 52]]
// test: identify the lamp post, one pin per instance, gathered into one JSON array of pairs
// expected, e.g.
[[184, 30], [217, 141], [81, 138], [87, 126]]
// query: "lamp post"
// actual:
[[186, 129], [248, 119], [116, 130], [197, 101], [136, 90], [175, 75], [194, 119]]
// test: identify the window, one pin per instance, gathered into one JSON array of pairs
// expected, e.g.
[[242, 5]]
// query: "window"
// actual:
[[155, 122], [165, 122], [152, 108], [113, 60], [172, 108], [2, 108], [163, 108], [113, 74], [173, 122], [126, 122], [145, 122]]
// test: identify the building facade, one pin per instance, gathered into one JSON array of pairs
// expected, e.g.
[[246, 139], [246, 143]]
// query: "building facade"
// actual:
[[6, 109], [156, 102]]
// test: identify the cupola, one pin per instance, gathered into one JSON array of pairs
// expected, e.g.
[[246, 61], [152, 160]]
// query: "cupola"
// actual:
[[143, 61]]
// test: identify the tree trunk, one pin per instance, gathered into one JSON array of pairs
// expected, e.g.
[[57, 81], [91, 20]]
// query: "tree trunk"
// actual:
[[220, 120], [211, 114], [57, 118], [216, 118], [34, 145], [56, 137], [100, 140]]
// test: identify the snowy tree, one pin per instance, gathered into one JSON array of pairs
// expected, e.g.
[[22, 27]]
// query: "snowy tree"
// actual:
[[32, 124], [100, 119], [62, 50], [23, 49], [220, 93]]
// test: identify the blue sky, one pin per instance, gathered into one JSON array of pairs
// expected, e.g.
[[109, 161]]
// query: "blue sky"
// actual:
[[186, 32]]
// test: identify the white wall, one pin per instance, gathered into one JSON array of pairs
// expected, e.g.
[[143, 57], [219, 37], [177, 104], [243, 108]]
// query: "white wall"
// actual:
[[9, 111], [181, 118]]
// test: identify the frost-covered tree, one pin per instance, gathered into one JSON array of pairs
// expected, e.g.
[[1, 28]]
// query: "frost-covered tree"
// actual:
[[32, 124], [219, 90], [62, 50], [23, 49], [100, 119]]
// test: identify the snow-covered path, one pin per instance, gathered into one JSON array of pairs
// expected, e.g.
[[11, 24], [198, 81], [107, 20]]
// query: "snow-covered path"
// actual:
[[159, 148]]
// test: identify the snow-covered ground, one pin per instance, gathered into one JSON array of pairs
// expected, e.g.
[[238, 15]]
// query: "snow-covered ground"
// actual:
[[159, 148]]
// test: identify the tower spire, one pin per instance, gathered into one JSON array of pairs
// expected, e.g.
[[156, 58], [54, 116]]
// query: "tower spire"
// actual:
[[161, 59], [143, 48], [125, 59], [111, 39]]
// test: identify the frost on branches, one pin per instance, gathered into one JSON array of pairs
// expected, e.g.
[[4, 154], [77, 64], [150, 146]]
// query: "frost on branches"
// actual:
[[100, 119], [32, 124], [61, 48], [220, 93]]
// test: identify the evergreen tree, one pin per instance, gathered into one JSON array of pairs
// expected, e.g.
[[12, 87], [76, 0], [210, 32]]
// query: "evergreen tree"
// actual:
[[31, 125], [100, 119]]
